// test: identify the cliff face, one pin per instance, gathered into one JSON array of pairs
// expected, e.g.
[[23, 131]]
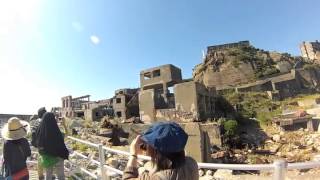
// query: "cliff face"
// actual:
[[240, 65]]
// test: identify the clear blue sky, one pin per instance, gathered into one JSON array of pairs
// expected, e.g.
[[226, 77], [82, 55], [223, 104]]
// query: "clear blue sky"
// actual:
[[77, 47]]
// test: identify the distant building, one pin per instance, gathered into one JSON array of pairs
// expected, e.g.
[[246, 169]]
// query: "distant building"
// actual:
[[126, 103], [74, 107], [229, 45], [311, 51]]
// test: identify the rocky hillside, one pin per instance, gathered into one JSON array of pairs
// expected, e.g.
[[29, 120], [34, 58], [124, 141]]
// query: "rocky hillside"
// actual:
[[240, 65]]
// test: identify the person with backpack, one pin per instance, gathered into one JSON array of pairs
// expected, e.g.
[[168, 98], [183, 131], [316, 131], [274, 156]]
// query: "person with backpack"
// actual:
[[16, 149], [51, 146], [34, 127], [164, 142]]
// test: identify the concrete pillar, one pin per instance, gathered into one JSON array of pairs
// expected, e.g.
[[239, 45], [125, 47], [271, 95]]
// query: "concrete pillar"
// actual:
[[195, 145], [310, 125], [165, 93]]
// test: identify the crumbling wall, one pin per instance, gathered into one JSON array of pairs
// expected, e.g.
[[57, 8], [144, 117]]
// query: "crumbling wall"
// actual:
[[196, 146], [173, 114], [311, 50], [94, 114], [213, 131], [264, 85], [309, 78], [186, 101], [287, 88], [229, 77]]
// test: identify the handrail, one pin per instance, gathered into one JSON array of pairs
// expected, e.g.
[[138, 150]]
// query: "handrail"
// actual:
[[242, 167], [304, 165], [279, 166], [84, 142], [89, 173], [97, 162], [125, 153]]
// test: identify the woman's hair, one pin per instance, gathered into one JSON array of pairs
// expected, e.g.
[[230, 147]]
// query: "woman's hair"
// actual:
[[167, 161]]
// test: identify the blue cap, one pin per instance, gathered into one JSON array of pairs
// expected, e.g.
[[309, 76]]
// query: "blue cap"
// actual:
[[166, 137]]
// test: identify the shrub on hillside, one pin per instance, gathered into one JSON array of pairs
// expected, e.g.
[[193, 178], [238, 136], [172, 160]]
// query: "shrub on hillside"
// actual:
[[230, 127]]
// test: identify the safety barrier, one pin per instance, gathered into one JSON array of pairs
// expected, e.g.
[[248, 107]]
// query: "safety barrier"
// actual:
[[279, 166]]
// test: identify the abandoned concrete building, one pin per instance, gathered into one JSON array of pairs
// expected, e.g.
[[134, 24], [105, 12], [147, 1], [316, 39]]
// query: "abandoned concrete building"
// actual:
[[165, 95], [311, 50], [229, 45], [98, 109], [74, 107], [126, 103], [82, 107], [292, 122], [123, 105], [285, 85]]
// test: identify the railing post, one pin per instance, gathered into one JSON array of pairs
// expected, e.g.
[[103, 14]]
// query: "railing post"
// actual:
[[102, 162], [280, 167], [316, 158]]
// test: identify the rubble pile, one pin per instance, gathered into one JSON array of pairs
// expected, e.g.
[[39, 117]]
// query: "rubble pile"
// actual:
[[295, 146]]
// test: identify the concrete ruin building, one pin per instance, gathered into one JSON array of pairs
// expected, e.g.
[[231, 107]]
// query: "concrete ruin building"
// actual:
[[126, 103], [74, 107], [165, 95], [98, 109], [123, 105], [228, 45], [311, 51]]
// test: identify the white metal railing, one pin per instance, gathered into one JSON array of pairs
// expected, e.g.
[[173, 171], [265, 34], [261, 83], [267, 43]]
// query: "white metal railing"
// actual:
[[279, 166]]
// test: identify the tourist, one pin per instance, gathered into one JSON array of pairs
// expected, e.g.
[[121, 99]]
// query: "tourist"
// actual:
[[34, 127], [51, 146], [16, 149], [164, 143]]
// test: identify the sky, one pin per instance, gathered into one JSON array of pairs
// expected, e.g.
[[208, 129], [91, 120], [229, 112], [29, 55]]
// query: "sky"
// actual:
[[54, 48]]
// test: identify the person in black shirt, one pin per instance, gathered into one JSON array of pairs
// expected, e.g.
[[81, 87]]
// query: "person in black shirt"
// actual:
[[16, 149]]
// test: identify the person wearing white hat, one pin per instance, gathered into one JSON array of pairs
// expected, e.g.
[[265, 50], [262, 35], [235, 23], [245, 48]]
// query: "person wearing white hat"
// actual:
[[16, 148]]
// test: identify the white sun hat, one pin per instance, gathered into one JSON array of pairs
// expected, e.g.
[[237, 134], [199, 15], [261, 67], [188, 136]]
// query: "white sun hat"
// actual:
[[15, 129]]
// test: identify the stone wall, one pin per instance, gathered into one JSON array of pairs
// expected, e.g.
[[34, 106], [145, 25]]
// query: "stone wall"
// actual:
[[213, 131], [309, 78], [186, 100], [229, 77], [264, 85]]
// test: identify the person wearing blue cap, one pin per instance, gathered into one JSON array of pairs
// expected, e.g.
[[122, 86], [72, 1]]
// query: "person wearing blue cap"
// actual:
[[164, 142]]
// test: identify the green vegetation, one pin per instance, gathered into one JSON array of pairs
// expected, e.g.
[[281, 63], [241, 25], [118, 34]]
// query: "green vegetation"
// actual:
[[79, 146], [253, 105], [230, 127], [258, 105], [264, 65]]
